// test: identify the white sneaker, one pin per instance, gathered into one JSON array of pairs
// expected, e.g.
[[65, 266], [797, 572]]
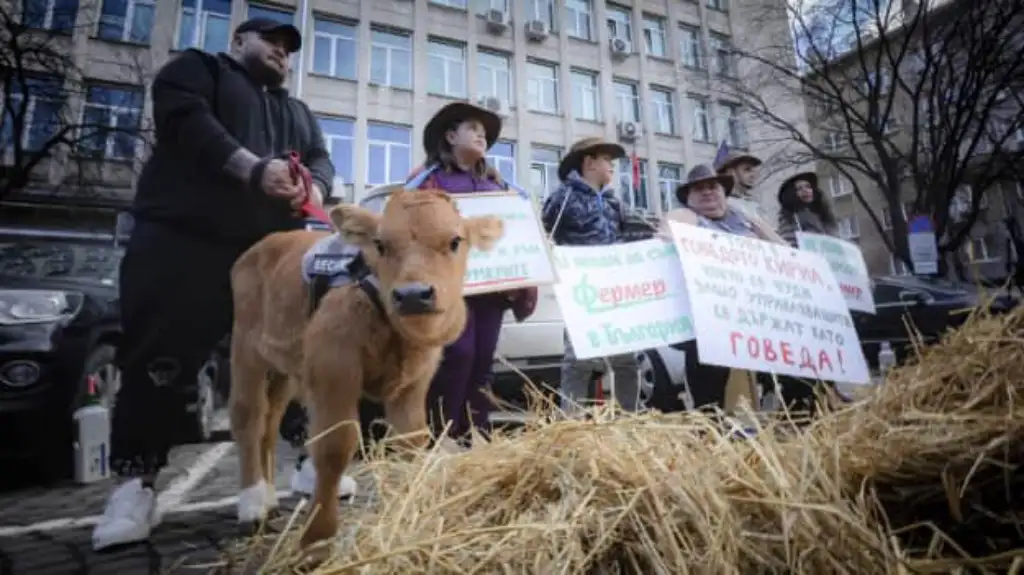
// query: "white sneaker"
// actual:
[[304, 481], [129, 517]]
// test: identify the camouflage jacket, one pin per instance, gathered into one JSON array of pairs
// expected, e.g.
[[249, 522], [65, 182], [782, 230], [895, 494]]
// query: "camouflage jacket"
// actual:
[[580, 216]]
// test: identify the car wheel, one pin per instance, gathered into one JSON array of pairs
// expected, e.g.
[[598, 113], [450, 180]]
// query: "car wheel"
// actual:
[[653, 375], [202, 409]]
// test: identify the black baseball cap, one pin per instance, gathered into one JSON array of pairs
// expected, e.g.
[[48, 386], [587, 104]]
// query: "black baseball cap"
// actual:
[[293, 38]]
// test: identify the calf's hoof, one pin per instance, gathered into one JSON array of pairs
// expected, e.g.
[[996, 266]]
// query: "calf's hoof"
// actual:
[[255, 502], [321, 528]]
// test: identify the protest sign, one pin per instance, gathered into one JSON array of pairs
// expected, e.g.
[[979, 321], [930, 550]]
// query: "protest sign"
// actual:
[[765, 307], [622, 298], [847, 263], [521, 258]]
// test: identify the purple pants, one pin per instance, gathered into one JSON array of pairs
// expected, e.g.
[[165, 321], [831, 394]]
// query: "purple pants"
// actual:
[[456, 393]]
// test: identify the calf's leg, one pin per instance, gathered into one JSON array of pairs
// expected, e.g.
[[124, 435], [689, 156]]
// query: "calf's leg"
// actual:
[[249, 406], [279, 392]]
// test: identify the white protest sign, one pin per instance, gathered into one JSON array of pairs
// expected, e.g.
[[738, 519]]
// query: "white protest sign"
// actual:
[[521, 258], [764, 307], [622, 298], [847, 263]]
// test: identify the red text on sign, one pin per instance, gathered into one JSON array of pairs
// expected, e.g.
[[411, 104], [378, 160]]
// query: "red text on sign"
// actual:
[[775, 351], [850, 290], [632, 292]]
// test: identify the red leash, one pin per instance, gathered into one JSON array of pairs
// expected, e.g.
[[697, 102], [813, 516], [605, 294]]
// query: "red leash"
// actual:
[[300, 175]]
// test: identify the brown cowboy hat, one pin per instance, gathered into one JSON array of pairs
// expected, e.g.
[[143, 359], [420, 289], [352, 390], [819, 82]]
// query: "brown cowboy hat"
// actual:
[[733, 160], [587, 147], [809, 177], [454, 114], [702, 173]]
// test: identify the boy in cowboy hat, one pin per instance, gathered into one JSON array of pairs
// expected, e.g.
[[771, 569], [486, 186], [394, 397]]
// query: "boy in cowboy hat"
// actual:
[[584, 211], [743, 170], [456, 141]]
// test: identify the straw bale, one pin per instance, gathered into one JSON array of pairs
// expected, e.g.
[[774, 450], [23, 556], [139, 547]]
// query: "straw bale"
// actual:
[[919, 476]]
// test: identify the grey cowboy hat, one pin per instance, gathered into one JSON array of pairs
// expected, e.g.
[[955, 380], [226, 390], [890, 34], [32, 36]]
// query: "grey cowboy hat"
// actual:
[[733, 160], [809, 177], [454, 114], [702, 173], [587, 147]]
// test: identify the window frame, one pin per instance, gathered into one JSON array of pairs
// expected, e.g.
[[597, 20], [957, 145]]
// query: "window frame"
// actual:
[[389, 147], [390, 51], [127, 24], [534, 85], [447, 63], [336, 39]]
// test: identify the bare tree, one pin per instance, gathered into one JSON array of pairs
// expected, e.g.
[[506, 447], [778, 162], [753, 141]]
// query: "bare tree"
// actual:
[[48, 115], [920, 99]]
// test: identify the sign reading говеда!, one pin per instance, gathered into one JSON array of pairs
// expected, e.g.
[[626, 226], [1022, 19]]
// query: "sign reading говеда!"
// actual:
[[847, 263], [765, 307], [521, 257], [622, 298]]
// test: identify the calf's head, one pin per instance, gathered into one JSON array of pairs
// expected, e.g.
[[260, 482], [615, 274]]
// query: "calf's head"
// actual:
[[418, 249]]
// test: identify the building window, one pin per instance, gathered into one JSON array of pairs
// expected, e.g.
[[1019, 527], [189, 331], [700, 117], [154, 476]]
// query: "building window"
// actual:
[[334, 49], [722, 52], [732, 125], [633, 193], [897, 267], [837, 187], [620, 22], [980, 250], [390, 59], [494, 76], [205, 24], [690, 47], [654, 36], [544, 169], [542, 86], [578, 16], [670, 177], [33, 114], [849, 228], [389, 153], [50, 14], [720, 5], [627, 101], [447, 68], [701, 119], [502, 156], [886, 215], [110, 122], [339, 135], [282, 16], [459, 4], [663, 111], [127, 20], [834, 141], [586, 101], [543, 10]]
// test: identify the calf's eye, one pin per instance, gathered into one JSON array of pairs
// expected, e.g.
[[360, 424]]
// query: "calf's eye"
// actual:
[[455, 243]]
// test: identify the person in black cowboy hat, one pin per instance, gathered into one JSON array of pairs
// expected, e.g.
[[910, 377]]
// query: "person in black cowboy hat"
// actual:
[[743, 170], [584, 211], [214, 185], [704, 195], [803, 207]]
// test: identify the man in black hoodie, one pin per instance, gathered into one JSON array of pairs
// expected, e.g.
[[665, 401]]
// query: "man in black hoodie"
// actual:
[[215, 184]]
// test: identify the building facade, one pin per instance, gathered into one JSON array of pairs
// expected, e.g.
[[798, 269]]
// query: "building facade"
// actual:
[[644, 73]]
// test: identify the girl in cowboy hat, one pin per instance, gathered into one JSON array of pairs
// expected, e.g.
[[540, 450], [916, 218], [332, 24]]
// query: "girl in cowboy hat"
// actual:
[[804, 208], [456, 141]]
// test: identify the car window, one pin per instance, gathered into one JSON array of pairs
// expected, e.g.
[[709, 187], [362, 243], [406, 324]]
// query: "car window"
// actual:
[[94, 263]]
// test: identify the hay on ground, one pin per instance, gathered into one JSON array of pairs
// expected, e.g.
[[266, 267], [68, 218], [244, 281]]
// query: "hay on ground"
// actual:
[[920, 476]]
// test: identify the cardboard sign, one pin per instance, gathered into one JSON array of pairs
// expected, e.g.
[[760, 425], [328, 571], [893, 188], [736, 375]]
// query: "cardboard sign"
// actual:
[[622, 298], [847, 263], [521, 258], [765, 307]]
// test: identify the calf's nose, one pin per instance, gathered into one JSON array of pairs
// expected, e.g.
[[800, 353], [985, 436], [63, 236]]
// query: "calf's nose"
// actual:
[[414, 298]]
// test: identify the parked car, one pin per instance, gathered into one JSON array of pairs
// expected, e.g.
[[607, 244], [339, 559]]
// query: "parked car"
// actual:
[[59, 326], [931, 305]]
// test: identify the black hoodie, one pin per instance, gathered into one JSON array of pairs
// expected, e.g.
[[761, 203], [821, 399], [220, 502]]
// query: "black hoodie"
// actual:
[[205, 108]]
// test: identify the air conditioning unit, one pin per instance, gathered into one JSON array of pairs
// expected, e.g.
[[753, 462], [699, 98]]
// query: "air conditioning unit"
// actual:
[[491, 103], [628, 131], [537, 30], [620, 47], [497, 20]]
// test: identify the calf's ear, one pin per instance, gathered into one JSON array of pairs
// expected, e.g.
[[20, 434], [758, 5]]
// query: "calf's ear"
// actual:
[[357, 226], [484, 231]]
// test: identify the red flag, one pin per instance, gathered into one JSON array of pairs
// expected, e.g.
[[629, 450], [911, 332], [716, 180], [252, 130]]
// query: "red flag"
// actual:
[[636, 171]]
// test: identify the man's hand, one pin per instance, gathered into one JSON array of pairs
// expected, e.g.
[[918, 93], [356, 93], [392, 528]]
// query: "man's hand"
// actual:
[[277, 181]]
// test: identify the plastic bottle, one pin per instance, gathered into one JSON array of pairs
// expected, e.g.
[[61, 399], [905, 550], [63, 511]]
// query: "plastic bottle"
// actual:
[[92, 438], [886, 358]]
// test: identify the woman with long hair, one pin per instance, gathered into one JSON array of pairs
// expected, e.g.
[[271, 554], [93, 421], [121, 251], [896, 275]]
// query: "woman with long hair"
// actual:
[[804, 208]]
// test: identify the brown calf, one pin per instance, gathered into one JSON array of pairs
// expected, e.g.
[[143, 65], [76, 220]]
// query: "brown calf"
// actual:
[[349, 348]]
